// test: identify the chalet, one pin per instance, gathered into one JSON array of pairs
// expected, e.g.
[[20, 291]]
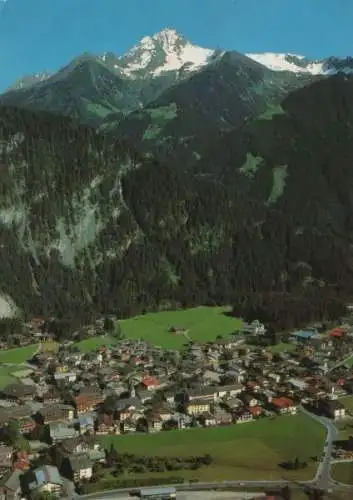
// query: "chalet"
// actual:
[[65, 376], [338, 333], [11, 487], [45, 479], [243, 416], [79, 467], [198, 406], [222, 416], [56, 413], [86, 423], [164, 411], [60, 432], [81, 444], [51, 396], [208, 419], [5, 457], [20, 413], [88, 401], [155, 423], [205, 393], [256, 411], [150, 383], [129, 425], [229, 390], [21, 461], [283, 405], [248, 399], [132, 403], [19, 392], [332, 408], [233, 403], [107, 424]]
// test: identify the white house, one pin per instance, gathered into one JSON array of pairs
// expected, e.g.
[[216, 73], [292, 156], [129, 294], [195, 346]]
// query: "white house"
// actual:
[[46, 479], [67, 376]]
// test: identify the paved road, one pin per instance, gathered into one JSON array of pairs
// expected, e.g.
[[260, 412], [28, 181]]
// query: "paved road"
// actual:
[[323, 478], [193, 495]]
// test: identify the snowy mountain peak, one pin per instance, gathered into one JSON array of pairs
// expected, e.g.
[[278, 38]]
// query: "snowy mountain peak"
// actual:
[[169, 38], [164, 51]]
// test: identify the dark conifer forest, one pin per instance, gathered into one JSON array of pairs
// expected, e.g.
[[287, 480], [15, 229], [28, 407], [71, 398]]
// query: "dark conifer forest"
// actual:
[[262, 221]]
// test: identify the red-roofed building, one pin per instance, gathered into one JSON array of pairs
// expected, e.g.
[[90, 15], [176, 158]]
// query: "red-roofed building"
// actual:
[[88, 401], [255, 411], [151, 383], [21, 461], [338, 332], [284, 405]]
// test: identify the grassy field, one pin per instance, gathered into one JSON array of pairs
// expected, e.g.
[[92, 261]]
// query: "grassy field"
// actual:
[[343, 472], [345, 429], [348, 403], [6, 378], [241, 451], [7, 374], [93, 343], [203, 324], [14, 357], [18, 355]]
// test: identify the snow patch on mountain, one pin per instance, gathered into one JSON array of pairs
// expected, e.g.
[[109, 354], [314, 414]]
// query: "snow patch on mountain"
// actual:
[[190, 56], [288, 62], [297, 63]]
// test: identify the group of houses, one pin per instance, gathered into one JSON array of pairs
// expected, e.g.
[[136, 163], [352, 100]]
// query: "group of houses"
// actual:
[[54, 420]]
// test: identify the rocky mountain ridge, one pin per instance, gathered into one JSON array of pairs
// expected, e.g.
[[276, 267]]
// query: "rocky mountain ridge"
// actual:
[[169, 50], [106, 88]]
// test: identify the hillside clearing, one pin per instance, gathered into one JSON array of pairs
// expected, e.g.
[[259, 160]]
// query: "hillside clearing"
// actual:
[[94, 343], [201, 324]]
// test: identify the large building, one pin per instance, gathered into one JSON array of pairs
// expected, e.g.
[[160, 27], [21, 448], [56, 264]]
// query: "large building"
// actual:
[[332, 408], [157, 493], [302, 336]]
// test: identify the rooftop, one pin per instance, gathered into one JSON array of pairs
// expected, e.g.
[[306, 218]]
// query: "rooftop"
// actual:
[[304, 334]]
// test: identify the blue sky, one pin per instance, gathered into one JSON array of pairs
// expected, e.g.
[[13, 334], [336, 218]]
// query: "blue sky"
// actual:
[[40, 35]]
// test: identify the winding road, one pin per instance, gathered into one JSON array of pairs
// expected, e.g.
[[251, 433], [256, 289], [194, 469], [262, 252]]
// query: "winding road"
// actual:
[[323, 478]]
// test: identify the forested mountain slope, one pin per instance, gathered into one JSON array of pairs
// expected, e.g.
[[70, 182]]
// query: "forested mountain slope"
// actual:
[[87, 225]]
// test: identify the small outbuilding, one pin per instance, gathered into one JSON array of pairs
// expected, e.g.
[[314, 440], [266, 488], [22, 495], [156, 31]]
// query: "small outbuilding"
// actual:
[[177, 329]]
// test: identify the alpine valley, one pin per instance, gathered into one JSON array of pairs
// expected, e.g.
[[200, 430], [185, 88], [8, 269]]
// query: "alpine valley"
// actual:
[[177, 175]]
